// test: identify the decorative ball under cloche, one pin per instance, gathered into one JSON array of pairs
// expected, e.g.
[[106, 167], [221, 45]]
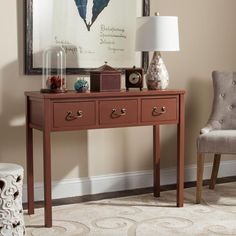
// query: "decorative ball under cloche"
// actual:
[[81, 85]]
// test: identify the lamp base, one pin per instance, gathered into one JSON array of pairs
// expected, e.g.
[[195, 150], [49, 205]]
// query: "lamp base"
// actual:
[[157, 75]]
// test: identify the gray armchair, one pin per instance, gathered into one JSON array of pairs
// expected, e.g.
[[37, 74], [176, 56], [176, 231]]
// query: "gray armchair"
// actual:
[[219, 134]]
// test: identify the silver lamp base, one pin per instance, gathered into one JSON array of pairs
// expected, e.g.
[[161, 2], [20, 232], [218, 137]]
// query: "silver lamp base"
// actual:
[[157, 76]]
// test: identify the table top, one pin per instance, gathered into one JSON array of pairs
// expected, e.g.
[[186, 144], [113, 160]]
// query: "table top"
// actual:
[[89, 94]]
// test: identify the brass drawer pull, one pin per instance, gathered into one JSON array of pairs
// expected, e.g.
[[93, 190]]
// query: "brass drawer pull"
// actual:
[[70, 116], [114, 113], [155, 111]]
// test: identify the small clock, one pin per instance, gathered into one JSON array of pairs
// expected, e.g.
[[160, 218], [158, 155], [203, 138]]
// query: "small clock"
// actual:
[[134, 78]]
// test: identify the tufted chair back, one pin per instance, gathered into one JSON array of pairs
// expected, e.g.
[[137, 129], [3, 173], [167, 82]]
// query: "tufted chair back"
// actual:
[[223, 115]]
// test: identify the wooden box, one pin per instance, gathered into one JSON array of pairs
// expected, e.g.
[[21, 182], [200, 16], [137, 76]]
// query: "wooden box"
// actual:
[[105, 79]]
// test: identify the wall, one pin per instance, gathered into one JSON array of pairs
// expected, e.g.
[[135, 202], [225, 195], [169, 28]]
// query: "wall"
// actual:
[[207, 39]]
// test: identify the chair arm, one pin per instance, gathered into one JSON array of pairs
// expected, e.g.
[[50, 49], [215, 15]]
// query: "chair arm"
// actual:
[[211, 125], [208, 128]]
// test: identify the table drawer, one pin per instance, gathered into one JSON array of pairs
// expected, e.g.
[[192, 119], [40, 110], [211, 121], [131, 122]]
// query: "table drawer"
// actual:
[[159, 109], [74, 114], [118, 112]]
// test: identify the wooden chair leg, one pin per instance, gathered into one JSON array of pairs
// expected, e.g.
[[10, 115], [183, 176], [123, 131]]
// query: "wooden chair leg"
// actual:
[[200, 167], [215, 170]]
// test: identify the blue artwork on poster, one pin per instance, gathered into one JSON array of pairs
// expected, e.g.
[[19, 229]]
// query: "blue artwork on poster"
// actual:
[[89, 12]]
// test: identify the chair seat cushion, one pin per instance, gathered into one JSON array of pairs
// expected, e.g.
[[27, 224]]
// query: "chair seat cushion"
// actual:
[[217, 141]]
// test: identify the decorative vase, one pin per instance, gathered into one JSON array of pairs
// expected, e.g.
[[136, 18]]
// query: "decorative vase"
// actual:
[[157, 75]]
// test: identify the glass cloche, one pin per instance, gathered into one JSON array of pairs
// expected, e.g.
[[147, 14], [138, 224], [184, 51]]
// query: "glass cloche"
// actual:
[[54, 70]]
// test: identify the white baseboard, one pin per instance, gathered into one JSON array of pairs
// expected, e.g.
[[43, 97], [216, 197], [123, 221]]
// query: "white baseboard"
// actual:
[[123, 181]]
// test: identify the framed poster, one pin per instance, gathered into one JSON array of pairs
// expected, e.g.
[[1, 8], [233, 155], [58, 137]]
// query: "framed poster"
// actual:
[[90, 31]]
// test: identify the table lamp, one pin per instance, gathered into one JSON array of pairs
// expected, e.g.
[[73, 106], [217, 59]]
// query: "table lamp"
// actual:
[[157, 33]]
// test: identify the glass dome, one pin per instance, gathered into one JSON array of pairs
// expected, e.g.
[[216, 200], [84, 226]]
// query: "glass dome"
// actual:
[[54, 70]]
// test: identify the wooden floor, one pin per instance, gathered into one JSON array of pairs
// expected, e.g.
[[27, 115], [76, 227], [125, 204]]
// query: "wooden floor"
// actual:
[[125, 193]]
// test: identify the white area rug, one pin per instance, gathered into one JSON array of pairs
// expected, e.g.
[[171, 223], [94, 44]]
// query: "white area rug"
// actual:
[[144, 215]]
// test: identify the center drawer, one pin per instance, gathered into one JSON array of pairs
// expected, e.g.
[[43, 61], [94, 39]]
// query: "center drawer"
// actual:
[[118, 112], [74, 114]]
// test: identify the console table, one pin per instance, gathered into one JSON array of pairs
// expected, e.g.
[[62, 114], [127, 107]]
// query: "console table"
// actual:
[[94, 110]]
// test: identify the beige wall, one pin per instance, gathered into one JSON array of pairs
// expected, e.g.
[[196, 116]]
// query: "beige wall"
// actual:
[[207, 38]]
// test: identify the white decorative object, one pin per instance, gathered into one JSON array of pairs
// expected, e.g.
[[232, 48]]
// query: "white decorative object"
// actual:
[[11, 211], [157, 33]]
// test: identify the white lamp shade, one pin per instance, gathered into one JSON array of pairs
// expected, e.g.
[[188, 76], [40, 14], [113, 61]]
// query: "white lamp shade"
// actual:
[[157, 33]]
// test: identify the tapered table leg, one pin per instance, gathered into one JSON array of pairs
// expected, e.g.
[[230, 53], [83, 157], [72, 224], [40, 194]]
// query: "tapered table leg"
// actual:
[[47, 165], [156, 160], [29, 161], [47, 179], [30, 169], [180, 158]]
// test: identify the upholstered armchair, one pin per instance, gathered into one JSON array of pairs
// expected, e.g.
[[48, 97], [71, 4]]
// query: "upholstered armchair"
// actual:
[[219, 135]]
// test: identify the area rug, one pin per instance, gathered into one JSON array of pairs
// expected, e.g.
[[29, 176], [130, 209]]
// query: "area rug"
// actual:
[[144, 215]]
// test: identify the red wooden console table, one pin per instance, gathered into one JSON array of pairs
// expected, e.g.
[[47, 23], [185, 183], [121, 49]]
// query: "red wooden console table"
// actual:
[[93, 110]]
